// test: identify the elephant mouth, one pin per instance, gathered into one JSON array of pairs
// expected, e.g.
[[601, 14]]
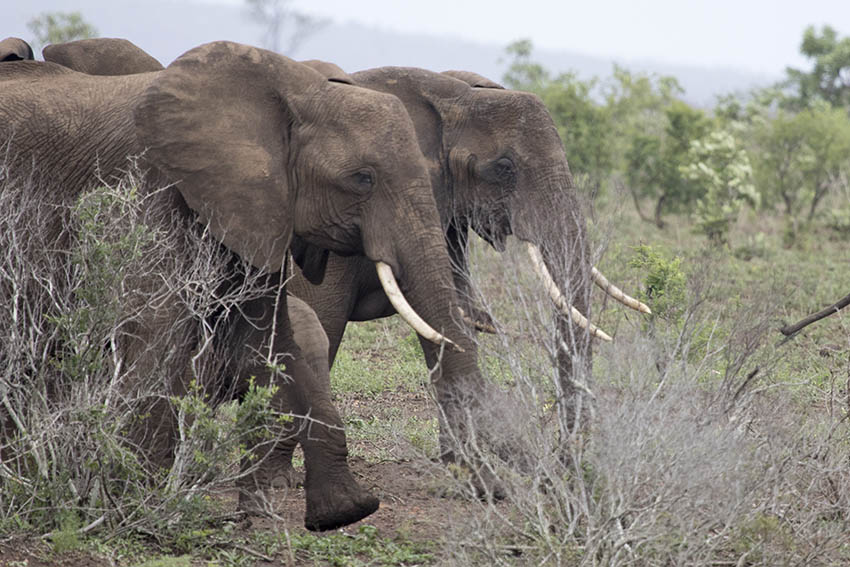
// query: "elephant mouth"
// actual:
[[571, 312]]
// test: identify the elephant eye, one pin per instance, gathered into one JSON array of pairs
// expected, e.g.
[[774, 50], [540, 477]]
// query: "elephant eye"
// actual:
[[364, 178], [504, 168]]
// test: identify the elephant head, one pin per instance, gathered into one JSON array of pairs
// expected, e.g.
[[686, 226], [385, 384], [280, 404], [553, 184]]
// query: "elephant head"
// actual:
[[265, 148], [101, 56], [15, 49], [498, 167]]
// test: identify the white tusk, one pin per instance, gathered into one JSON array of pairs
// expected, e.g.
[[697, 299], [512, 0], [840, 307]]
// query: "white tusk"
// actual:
[[617, 293], [396, 297], [558, 298]]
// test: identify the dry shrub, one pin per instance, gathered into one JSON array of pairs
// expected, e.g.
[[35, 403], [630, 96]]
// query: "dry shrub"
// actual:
[[112, 306], [697, 449]]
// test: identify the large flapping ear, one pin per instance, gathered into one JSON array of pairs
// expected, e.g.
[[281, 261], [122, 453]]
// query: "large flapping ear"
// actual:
[[332, 71], [474, 79], [15, 49], [218, 121], [102, 56]]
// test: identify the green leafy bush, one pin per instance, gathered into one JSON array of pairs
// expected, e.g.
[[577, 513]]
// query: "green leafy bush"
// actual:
[[664, 284]]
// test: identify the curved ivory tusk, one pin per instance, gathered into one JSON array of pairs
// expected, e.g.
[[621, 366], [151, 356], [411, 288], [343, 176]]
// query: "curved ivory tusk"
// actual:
[[396, 297], [558, 298], [617, 293]]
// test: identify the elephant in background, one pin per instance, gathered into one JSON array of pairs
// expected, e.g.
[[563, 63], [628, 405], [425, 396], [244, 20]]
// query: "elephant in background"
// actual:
[[101, 56], [264, 149], [15, 49], [96, 56], [497, 167]]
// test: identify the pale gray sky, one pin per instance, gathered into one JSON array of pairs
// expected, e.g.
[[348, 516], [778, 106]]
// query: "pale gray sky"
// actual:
[[757, 35]]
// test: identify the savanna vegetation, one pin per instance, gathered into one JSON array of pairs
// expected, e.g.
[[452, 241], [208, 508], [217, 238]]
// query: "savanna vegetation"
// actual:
[[709, 438]]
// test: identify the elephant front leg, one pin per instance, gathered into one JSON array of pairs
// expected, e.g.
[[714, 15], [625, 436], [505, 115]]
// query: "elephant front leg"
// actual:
[[334, 498], [464, 399]]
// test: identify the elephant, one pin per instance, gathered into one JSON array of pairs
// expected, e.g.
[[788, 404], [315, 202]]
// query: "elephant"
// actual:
[[101, 56], [497, 167], [261, 151], [15, 49]]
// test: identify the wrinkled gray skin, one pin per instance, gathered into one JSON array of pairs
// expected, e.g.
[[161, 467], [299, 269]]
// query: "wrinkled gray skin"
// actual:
[[101, 56], [15, 49], [263, 148], [497, 167]]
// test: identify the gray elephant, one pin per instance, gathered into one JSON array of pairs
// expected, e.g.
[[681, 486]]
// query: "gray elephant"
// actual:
[[15, 49], [263, 149], [101, 56], [497, 167]]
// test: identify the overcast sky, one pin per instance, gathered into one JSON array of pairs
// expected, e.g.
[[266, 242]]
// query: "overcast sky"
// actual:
[[760, 35]]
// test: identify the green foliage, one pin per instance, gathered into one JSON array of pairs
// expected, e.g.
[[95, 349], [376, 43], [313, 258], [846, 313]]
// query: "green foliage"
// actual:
[[829, 78], [102, 258], [654, 159], [800, 158], [664, 287], [721, 168], [363, 548], [59, 27], [67, 538], [213, 440], [170, 561]]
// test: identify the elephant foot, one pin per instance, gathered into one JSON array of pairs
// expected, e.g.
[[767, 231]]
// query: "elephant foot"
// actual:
[[337, 502]]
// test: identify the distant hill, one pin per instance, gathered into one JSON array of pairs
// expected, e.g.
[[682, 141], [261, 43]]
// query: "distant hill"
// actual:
[[167, 28]]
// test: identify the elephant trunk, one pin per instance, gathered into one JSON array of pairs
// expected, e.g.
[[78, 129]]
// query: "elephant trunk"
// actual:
[[557, 244], [552, 225], [420, 262]]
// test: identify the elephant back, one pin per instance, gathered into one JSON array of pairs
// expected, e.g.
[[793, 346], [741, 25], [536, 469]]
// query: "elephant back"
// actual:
[[65, 126]]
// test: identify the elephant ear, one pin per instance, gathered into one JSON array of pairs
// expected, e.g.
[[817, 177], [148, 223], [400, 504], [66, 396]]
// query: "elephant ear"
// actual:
[[333, 72], [474, 79], [218, 121], [15, 49]]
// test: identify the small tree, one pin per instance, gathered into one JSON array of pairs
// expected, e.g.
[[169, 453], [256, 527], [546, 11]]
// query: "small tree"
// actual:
[[279, 19], [829, 79], [799, 158], [59, 27], [655, 155], [721, 170]]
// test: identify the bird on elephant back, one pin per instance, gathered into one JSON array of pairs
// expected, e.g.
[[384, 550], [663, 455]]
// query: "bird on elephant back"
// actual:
[[258, 149]]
